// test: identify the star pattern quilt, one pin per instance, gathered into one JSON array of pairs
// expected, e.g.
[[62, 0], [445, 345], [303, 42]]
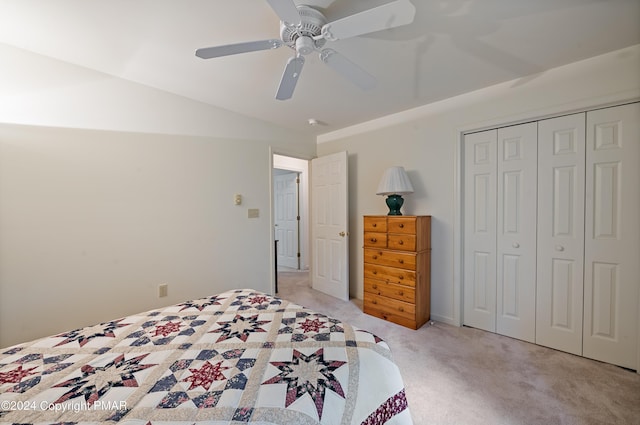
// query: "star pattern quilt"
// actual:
[[240, 357]]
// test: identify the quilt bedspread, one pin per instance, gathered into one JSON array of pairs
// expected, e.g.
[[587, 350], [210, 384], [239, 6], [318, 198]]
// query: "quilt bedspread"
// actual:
[[240, 357]]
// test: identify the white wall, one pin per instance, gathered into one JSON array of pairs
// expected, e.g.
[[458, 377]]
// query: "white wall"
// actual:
[[426, 142], [36, 90], [108, 189]]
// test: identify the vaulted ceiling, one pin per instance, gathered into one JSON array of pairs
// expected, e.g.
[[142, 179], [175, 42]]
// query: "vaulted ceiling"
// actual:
[[451, 47]]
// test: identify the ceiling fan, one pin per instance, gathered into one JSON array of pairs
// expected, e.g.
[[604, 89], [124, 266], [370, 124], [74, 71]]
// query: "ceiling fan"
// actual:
[[305, 30]]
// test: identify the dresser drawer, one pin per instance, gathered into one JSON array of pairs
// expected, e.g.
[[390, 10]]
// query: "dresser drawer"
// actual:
[[403, 260], [375, 224], [390, 274], [401, 242], [402, 225], [388, 309], [390, 290], [375, 239]]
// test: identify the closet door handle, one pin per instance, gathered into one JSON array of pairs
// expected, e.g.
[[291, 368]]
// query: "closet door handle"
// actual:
[[515, 245], [559, 248]]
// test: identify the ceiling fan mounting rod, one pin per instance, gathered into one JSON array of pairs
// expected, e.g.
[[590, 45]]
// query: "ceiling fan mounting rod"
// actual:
[[311, 23]]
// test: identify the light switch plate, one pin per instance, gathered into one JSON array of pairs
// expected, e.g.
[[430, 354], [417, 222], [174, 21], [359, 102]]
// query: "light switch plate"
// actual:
[[253, 213]]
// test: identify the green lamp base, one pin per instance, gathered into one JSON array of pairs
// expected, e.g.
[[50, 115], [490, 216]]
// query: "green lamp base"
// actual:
[[394, 202]]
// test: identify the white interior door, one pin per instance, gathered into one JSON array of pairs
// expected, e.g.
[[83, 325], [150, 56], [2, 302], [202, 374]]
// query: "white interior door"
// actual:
[[479, 283], [516, 226], [561, 156], [612, 235], [287, 219], [329, 225]]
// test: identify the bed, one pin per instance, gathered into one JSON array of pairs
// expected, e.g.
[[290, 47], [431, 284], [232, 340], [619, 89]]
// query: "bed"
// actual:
[[239, 357]]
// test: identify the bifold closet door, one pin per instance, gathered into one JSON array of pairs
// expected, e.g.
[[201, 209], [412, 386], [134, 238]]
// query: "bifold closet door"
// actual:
[[480, 230], [612, 236], [516, 231], [561, 162], [500, 230]]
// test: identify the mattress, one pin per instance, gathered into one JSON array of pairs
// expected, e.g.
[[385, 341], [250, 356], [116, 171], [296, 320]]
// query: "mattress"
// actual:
[[239, 357]]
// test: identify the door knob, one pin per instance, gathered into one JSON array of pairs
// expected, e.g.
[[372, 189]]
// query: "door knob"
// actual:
[[342, 234], [559, 248], [516, 245]]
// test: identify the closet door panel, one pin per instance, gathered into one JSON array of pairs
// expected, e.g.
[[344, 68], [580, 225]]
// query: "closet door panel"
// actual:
[[516, 231], [480, 230], [561, 158], [612, 235]]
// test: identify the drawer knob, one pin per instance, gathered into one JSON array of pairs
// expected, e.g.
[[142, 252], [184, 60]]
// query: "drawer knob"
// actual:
[[401, 277], [375, 224], [374, 240], [401, 242], [375, 272], [374, 286], [401, 261], [375, 257], [401, 225], [374, 302], [401, 293], [400, 309]]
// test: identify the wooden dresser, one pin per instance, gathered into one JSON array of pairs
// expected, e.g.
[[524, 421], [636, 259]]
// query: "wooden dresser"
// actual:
[[397, 268]]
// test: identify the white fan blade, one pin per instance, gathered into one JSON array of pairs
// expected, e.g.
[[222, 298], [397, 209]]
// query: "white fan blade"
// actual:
[[390, 15], [290, 77], [234, 49], [286, 11], [348, 69]]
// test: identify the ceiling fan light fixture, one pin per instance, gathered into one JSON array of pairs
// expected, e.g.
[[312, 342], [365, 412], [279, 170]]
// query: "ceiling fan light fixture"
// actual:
[[305, 45]]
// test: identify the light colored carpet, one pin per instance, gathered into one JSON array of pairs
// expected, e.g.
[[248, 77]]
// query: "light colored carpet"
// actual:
[[466, 376]]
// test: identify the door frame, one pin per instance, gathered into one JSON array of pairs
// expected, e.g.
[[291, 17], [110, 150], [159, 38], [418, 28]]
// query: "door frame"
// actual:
[[285, 161]]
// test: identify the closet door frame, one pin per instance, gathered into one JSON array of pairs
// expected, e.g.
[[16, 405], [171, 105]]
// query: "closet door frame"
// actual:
[[459, 317]]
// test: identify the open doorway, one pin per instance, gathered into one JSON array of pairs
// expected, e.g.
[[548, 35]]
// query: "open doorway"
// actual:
[[323, 236], [291, 214]]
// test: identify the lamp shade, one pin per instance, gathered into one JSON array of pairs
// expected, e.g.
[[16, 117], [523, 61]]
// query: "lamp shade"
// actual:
[[394, 182]]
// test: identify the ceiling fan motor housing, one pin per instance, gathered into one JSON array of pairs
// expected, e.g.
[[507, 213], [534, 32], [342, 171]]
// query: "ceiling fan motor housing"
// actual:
[[301, 37]]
